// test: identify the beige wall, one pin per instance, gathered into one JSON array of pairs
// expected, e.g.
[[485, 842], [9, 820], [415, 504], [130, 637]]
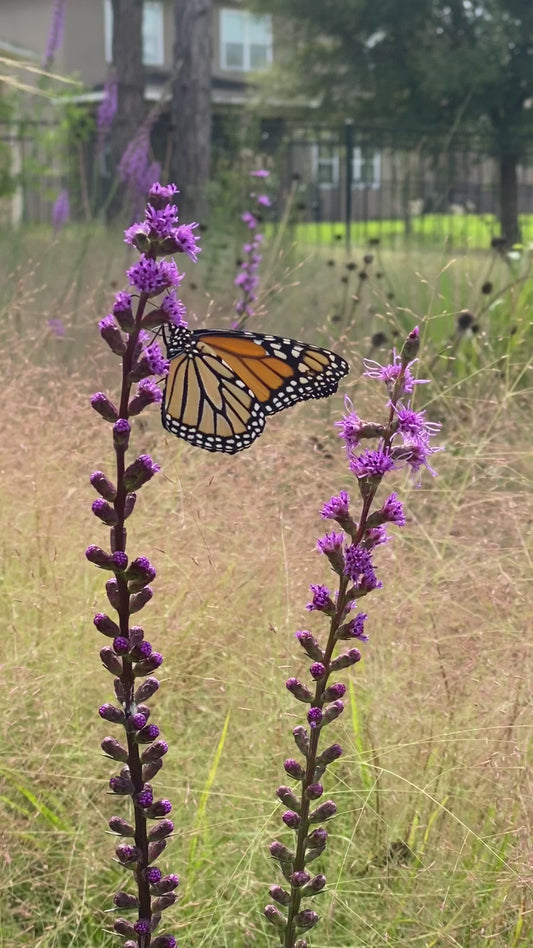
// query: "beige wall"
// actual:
[[27, 22]]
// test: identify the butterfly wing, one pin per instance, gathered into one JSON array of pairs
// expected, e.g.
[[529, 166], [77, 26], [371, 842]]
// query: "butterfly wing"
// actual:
[[221, 384], [204, 401], [279, 371]]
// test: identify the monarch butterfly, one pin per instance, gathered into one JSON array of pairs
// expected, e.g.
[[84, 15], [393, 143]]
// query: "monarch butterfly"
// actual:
[[222, 384]]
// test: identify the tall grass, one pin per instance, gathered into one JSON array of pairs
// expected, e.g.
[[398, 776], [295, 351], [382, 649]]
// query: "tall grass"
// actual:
[[432, 845]]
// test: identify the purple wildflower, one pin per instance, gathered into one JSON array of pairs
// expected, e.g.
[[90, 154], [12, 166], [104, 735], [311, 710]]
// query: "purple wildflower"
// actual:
[[372, 464], [260, 173], [174, 309], [107, 108], [337, 507], [56, 32], [350, 426], [249, 219], [186, 241], [359, 569], [56, 327], [413, 424], [60, 210], [392, 511], [153, 276], [322, 601]]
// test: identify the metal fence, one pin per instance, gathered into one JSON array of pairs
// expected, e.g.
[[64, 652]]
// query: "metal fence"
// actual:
[[390, 184], [344, 182]]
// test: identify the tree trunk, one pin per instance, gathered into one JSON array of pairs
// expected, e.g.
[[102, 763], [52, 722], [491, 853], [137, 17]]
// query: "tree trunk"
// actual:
[[191, 105], [129, 71], [510, 227]]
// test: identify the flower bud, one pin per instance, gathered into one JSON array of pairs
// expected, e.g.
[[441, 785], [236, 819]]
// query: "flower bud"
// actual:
[[122, 311], [280, 895], [140, 572], [127, 854], [300, 878], [111, 334], [291, 819], [104, 512], [121, 433], [317, 670], [314, 791], [301, 739], [331, 712], [111, 588], [154, 751], [161, 830], [410, 347], [147, 665], [105, 625], [316, 884], [104, 406], [99, 557], [139, 472], [280, 852], [310, 645], [138, 600], [274, 916], [314, 717], [155, 849], [324, 811], [111, 661], [287, 797], [129, 504], [293, 769], [148, 393], [121, 826], [124, 900], [163, 902], [109, 712], [158, 809], [123, 927], [114, 749], [147, 733], [164, 941], [122, 785], [151, 769], [166, 884], [305, 920], [334, 692], [103, 485], [300, 691], [348, 658], [146, 690]]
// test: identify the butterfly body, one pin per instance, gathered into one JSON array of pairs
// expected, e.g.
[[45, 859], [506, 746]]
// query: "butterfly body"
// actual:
[[222, 384]]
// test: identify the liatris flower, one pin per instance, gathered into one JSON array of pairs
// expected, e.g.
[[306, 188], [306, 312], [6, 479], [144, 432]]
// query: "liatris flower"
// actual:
[[136, 167], [403, 441], [128, 656], [60, 210], [107, 109], [55, 34], [247, 278]]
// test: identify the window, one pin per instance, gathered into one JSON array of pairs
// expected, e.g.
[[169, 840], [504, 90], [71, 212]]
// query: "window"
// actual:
[[245, 41], [153, 51], [328, 171], [326, 166], [366, 167]]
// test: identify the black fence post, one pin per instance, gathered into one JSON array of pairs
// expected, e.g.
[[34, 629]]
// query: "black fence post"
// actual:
[[348, 141]]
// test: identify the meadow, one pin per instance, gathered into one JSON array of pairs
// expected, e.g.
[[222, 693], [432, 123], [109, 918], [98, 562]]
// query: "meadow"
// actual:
[[432, 844]]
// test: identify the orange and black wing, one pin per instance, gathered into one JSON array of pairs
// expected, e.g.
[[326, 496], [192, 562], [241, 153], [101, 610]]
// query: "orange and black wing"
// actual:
[[279, 371], [204, 402], [222, 384]]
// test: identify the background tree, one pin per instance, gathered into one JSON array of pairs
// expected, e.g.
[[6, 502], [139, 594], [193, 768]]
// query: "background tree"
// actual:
[[449, 66], [127, 54], [191, 104]]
